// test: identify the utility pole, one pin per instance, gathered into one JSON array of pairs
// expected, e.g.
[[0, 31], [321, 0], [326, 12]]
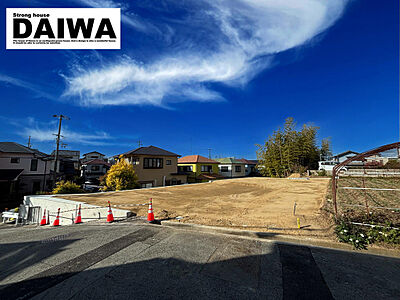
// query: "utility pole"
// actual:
[[140, 144], [29, 142], [209, 153], [60, 118]]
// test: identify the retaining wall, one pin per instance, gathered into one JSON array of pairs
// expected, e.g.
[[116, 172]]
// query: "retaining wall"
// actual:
[[68, 209]]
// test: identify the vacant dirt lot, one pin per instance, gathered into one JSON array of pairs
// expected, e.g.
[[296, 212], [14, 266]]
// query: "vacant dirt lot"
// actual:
[[263, 204]]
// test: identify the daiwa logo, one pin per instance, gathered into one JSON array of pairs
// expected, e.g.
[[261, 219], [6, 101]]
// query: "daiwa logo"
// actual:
[[63, 28]]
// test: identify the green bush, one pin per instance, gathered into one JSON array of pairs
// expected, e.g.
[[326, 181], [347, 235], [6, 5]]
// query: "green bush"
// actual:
[[351, 235], [67, 187], [360, 237], [322, 173]]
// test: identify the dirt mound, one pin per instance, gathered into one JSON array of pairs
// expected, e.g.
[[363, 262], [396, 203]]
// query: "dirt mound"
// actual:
[[295, 175]]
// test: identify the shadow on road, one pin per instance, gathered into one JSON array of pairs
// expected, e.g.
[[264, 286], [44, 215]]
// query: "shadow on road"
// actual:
[[288, 272], [15, 257]]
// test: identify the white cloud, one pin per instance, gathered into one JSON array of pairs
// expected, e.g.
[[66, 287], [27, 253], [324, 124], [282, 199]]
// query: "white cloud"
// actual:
[[47, 135], [132, 21], [45, 132], [26, 85], [226, 41]]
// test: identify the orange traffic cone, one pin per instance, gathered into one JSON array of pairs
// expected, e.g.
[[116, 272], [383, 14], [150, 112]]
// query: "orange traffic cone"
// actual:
[[110, 217], [150, 214], [43, 221], [78, 218], [57, 220]]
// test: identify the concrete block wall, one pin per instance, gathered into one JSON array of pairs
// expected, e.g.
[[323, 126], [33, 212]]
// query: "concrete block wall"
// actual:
[[68, 209]]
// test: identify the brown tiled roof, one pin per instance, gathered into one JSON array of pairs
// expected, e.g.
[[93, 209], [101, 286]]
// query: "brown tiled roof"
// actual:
[[97, 162], [212, 176], [248, 161], [193, 159]]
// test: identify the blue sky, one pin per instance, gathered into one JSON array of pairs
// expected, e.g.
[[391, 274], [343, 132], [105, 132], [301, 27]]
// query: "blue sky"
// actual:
[[223, 74]]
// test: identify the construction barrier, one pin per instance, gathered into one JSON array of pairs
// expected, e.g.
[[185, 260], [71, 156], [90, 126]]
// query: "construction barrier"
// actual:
[[150, 214]]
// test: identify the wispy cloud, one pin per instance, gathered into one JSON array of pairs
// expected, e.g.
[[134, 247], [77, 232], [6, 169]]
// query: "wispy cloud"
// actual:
[[45, 132], [38, 91], [226, 41], [127, 17]]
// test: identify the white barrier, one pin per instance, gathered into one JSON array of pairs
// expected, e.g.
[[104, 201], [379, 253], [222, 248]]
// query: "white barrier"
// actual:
[[68, 209]]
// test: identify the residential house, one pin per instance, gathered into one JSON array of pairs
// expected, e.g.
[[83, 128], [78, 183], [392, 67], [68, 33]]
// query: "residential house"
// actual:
[[380, 160], [92, 170], [68, 164], [327, 163], [250, 167], [22, 170], [231, 167], [199, 168], [155, 166], [91, 156]]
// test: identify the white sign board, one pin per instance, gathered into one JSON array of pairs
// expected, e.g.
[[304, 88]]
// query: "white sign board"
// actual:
[[63, 28]]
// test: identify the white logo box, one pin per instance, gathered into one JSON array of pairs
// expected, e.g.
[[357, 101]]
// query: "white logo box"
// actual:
[[63, 28]]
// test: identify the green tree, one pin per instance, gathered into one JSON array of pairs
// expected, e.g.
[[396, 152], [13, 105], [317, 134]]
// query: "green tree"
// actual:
[[121, 176], [326, 150], [287, 150]]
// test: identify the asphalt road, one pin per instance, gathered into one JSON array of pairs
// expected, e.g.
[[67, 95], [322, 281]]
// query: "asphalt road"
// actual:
[[138, 261]]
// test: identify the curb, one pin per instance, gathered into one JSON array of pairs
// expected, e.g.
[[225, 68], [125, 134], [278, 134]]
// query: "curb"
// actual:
[[281, 238]]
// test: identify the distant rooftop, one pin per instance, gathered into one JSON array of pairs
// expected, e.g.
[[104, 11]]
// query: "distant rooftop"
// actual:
[[346, 153], [97, 162], [193, 159], [12, 147], [229, 160], [93, 152], [150, 150], [248, 161], [67, 152]]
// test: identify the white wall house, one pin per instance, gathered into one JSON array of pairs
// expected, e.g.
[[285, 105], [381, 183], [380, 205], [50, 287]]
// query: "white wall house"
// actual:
[[328, 163], [230, 167], [22, 169]]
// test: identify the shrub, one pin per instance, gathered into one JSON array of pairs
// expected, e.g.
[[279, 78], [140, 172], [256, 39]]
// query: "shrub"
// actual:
[[67, 187], [360, 237], [351, 235], [121, 176], [392, 164], [322, 172]]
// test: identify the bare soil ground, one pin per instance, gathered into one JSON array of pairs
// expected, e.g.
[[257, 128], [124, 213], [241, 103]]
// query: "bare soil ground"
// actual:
[[262, 204]]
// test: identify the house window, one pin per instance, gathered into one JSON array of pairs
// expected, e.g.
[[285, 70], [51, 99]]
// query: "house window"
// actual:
[[146, 185], [186, 168], [153, 163], [206, 168], [95, 168], [34, 164], [168, 162], [15, 160], [224, 169], [238, 168], [134, 161]]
